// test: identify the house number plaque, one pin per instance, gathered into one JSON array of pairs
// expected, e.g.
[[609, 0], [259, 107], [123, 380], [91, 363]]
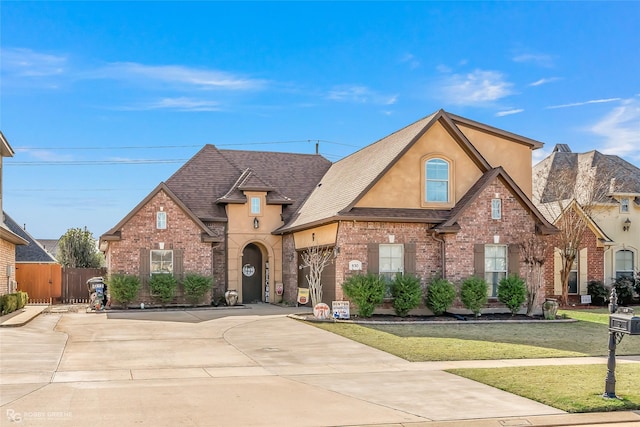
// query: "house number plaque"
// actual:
[[248, 270]]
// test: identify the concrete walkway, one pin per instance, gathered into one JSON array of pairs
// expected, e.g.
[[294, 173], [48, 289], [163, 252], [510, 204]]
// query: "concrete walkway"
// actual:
[[241, 366]]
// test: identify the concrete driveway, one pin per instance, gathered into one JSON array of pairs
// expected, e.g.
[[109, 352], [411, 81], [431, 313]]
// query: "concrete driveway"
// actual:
[[225, 367]]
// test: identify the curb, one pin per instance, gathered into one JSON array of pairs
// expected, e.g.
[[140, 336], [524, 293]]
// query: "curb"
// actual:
[[310, 318]]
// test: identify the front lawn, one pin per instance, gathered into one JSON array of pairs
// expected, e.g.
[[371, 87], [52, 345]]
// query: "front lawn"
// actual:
[[569, 388]]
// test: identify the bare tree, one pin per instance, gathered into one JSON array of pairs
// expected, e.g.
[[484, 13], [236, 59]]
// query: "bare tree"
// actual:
[[569, 196], [316, 258], [533, 251]]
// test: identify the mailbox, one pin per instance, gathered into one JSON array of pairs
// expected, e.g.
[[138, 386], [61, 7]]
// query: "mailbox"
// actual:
[[624, 321]]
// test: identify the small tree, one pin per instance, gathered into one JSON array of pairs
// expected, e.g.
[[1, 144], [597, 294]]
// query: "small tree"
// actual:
[[474, 294], [440, 296], [533, 251], [366, 291], [124, 288], [316, 258], [512, 292], [406, 292], [195, 287], [163, 287], [77, 249]]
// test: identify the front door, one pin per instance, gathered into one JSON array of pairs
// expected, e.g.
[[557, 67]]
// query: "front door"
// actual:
[[251, 274]]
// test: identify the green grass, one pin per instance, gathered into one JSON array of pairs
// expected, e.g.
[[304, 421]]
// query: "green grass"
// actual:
[[424, 342], [569, 388]]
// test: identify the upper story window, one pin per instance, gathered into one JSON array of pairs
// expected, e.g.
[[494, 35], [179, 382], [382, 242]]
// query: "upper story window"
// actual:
[[496, 208], [624, 205], [161, 220], [437, 181], [255, 205]]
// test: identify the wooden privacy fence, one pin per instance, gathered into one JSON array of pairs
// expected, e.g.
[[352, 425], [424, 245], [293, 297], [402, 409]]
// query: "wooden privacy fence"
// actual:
[[74, 283]]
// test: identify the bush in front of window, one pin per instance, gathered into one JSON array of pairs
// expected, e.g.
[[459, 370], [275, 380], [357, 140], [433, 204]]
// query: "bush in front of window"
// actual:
[[124, 288], [406, 292], [366, 291], [599, 293], [440, 295], [474, 294], [163, 287], [195, 287], [512, 292], [624, 290]]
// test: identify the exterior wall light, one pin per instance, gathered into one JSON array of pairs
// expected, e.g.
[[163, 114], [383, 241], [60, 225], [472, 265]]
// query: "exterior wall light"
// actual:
[[626, 225], [256, 223]]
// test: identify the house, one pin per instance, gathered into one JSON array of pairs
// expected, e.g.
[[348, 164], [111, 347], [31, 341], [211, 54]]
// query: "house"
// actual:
[[443, 197], [37, 272], [610, 247], [8, 239]]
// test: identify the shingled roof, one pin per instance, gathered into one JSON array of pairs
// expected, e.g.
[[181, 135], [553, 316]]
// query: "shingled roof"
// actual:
[[33, 250], [214, 177]]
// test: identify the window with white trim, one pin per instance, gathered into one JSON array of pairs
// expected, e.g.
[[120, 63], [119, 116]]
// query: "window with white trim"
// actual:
[[495, 266], [161, 220], [391, 260], [437, 181], [624, 205], [161, 261], [255, 205], [624, 264], [496, 208], [573, 278]]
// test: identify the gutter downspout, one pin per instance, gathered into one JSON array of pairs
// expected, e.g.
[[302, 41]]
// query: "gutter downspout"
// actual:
[[442, 253]]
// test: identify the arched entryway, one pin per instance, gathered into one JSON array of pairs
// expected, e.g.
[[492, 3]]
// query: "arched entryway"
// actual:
[[251, 274]]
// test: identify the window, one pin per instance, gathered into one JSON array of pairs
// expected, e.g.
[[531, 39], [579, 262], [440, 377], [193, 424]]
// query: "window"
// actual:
[[495, 266], [255, 205], [496, 209], [624, 205], [161, 220], [391, 260], [573, 278], [437, 181], [624, 264], [161, 261]]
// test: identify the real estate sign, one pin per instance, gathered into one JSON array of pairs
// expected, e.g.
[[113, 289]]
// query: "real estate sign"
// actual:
[[340, 309]]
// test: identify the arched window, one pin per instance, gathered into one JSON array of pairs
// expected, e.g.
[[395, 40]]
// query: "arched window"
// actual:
[[437, 181], [624, 264]]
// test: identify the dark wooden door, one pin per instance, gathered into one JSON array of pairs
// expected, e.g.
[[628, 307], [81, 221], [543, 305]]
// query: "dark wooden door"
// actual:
[[251, 274]]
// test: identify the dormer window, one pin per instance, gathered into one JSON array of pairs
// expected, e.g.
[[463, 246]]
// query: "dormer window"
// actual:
[[161, 220], [437, 181], [624, 205]]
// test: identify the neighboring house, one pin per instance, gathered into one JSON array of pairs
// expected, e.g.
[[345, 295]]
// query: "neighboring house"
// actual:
[[8, 239], [611, 244], [38, 273], [50, 245], [442, 197]]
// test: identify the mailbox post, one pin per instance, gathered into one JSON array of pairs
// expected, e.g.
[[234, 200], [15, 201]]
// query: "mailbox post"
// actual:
[[621, 322]]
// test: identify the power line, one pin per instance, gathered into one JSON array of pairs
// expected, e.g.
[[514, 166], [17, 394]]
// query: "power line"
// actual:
[[96, 162]]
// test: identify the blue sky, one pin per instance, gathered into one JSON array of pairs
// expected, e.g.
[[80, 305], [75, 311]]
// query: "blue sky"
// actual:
[[104, 100]]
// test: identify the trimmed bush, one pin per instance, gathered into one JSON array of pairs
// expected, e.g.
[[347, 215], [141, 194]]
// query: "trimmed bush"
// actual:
[[124, 288], [599, 293], [9, 303], [163, 287], [624, 289], [406, 292], [366, 291], [473, 294], [23, 299], [195, 287], [512, 292], [440, 295]]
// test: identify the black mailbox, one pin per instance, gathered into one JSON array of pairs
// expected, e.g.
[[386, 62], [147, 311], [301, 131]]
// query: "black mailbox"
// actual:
[[624, 321]]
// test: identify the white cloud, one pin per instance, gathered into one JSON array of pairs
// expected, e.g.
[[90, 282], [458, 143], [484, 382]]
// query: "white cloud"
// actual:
[[509, 112], [620, 129], [27, 63], [178, 104], [409, 58], [360, 95], [542, 60], [544, 81], [579, 104], [480, 86], [176, 74]]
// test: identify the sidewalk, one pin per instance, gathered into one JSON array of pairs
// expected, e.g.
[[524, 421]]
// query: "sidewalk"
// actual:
[[23, 316]]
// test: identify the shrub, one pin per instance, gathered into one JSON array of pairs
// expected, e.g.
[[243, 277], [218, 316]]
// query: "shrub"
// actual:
[[512, 292], [124, 288], [406, 292], [473, 294], [163, 287], [9, 303], [440, 296], [624, 289], [599, 293], [23, 299], [195, 287], [366, 291]]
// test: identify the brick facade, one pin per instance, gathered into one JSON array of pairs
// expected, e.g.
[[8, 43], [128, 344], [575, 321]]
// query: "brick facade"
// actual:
[[7, 258]]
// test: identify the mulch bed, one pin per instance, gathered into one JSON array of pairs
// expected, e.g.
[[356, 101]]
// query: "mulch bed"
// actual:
[[448, 318]]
